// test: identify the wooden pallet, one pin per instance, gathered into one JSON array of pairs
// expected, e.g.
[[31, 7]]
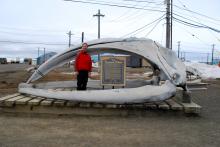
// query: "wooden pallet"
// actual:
[[18, 103]]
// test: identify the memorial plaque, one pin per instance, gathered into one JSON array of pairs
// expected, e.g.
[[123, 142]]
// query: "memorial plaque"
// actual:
[[113, 70]]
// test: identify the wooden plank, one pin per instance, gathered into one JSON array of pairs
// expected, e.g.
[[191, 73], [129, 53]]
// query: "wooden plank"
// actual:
[[111, 106], [51, 89], [24, 100], [72, 103], [163, 105], [67, 89], [85, 104], [150, 106], [32, 110], [191, 108], [47, 102], [98, 105], [59, 103], [59, 89], [36, 101], [74, 89], [130, 106], [8, 96], [197, 89], [174, 105], [136, 106], [197, 84], [11, 101]]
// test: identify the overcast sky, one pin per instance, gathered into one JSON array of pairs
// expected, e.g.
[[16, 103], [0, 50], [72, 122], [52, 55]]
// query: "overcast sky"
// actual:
[[46, 22]]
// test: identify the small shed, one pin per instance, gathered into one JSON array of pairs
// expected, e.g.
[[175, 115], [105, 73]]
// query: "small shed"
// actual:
[[134, 61], [41, 59]]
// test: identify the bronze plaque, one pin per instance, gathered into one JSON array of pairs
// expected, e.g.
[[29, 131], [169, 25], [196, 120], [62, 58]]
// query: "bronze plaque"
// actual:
[[113, 70]]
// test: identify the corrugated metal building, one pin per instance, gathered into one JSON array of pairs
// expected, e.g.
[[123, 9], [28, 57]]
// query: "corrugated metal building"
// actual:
[[41, 59]]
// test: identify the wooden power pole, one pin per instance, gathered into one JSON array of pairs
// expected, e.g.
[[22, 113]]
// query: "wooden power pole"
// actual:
[[213, 49], [98, 15], [69, 34], [169, 10]]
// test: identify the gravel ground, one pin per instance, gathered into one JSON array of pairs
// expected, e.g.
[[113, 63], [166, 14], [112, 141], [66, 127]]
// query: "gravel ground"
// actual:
[[13, 67], [155, 128]]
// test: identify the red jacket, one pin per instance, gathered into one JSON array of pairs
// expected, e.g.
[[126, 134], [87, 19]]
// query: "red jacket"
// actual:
[[83, 62]]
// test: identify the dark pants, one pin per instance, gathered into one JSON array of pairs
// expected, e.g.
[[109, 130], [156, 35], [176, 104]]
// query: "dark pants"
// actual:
[[82, 79]]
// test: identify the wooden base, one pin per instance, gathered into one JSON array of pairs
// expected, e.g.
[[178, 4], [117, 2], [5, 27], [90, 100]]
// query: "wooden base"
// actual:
[[18, 103]]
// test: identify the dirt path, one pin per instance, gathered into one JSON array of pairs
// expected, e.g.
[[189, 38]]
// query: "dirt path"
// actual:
[[9, 81]]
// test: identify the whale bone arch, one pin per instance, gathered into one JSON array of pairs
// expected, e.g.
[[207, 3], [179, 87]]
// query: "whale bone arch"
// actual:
[[172, 70]]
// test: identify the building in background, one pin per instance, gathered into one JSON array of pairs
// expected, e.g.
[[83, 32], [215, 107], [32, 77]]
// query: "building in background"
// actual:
[[134, 61], [41, 59], [3, 61], [27, 61]]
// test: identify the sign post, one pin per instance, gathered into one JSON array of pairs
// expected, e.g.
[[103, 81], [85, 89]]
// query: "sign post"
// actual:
[[113, 70]]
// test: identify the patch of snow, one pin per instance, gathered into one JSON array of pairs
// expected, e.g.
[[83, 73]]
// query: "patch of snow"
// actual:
[[206, 71]]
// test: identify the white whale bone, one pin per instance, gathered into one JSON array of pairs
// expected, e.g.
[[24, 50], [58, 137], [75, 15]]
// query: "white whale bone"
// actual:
[[147, 93], [163, 58], [171, 69]]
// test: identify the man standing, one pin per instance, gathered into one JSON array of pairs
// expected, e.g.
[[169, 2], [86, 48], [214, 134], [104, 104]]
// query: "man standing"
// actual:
[[83, 67]]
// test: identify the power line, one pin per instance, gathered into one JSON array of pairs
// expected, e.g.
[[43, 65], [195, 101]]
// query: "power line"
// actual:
[[200, 24], [200, 14], [136, 14], [120, 18], [196, 25], [22, 42], [153, 27], [193, 35], [144, 1], [114, 5], [137, 11], [26, 34], [126, 4], [185, 7], [160, 18], [190, 15], [187, 18], [106, 2], [198, 20], [28, 29]]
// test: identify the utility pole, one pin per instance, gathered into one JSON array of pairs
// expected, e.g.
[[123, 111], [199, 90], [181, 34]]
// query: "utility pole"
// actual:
[[213, 48], [207, 58], [44, 55], [69, 34], [38, 54], [98, 15], [178, 48], [168, 24], [171, 26], [82, 37]]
